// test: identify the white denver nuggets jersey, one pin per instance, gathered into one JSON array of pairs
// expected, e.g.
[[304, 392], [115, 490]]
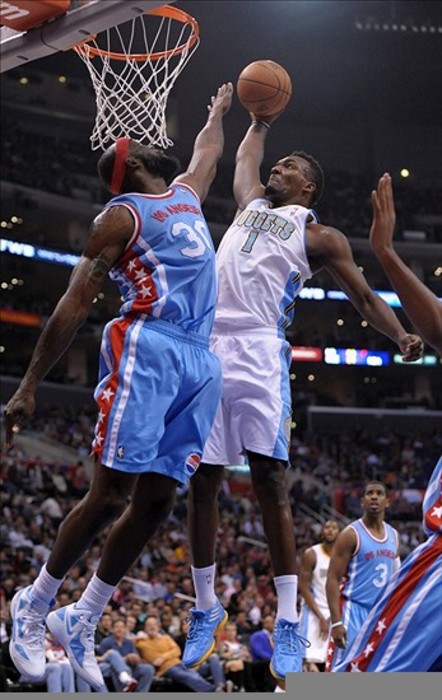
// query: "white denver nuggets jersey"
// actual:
[[319, 577], [262, 266]]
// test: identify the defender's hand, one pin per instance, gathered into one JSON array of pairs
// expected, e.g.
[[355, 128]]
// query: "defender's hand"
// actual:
[[223, 100], [384, 215], [18, 408]]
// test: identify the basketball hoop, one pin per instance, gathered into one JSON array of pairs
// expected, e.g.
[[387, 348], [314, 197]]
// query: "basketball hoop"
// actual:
[[132, 89]]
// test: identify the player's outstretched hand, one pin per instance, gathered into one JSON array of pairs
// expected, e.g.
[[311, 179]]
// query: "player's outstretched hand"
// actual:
[[223, 99], [411, 347], [18, 408], [384, 215]]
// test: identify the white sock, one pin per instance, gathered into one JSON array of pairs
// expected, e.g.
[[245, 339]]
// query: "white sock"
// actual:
[[287, 592], [204, 584], [46, 586], [96, 596]]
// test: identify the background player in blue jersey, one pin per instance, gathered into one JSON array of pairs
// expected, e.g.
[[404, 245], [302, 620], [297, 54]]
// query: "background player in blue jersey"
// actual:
[[403, 632], [364, 557], [272, 247], [159, 382]]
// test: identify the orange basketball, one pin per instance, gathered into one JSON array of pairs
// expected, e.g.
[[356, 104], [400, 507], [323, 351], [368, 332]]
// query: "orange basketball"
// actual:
[[264, 88]]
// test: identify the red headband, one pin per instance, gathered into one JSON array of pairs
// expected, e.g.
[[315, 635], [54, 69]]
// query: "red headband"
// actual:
[[119, 171]]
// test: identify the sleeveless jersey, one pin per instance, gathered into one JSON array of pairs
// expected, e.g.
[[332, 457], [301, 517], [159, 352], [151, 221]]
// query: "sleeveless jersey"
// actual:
[[403, 630], [371, 566], [320, 576], [262, 266], [432, 505], [171, 248]]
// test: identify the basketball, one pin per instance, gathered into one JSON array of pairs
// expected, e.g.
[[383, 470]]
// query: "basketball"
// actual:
[[264, 88]]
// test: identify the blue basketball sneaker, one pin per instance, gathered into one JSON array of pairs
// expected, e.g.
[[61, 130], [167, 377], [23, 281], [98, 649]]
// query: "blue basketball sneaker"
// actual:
[[27, 643], [200, 641], [74, 627], [287, 649]]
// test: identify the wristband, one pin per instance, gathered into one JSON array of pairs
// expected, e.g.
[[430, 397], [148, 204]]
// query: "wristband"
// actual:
[[336, 624], [261, 121]]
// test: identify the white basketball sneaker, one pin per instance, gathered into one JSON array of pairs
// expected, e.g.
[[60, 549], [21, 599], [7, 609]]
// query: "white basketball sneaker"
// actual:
[[27, 643], [74, 627]]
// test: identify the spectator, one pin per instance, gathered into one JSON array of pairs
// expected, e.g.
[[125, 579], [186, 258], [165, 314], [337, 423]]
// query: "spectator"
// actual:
[[163, 652], [211, 667], [261, 649], [104, 629], [236, 658], [119, 659], [59, 675]]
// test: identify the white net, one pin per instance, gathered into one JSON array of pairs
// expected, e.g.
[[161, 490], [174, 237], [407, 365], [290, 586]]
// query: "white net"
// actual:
[[133, 71]]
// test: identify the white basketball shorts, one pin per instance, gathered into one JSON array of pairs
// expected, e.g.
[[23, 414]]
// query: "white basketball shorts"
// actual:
[[309, 629], [255, 409]]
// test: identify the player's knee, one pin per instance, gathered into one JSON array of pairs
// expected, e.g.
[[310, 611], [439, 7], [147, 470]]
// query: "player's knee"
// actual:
[[108, 506], [206, 483], [267, 472], [154, 499]]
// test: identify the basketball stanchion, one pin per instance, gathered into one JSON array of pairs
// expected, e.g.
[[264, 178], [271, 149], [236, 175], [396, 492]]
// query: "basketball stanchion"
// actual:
[[134, 71]]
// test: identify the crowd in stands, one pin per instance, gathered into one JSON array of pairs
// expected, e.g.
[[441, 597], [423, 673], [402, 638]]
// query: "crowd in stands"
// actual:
[[151, 604], [67, 166]]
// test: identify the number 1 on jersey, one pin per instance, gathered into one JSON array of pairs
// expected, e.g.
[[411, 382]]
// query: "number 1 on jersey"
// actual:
[[250, 242]]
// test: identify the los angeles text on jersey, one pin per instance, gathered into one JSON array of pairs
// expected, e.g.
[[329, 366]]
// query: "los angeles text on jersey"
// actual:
[[178, 208], [266, 221], [380, 553]]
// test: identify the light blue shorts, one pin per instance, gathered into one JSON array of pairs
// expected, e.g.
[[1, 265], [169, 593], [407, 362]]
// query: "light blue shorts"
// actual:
[[158, 391]]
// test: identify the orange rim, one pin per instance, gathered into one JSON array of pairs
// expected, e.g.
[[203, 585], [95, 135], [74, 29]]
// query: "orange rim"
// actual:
[[163, 11]]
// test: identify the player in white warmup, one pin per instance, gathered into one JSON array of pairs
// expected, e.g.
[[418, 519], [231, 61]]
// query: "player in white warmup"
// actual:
[[315, 614]]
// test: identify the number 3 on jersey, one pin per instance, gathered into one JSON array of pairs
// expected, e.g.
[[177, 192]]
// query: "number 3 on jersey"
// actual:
[[197, 237], [381, 580]]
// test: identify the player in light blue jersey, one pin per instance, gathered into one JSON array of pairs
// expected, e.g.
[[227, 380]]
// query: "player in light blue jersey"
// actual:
[[364, 558], [403, 632], [274, 245], [159, 383]]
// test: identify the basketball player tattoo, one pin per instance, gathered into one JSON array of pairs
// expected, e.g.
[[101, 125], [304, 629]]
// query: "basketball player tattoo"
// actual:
[[100, 267]]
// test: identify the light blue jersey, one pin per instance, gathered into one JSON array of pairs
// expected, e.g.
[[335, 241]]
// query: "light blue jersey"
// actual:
[[403, 631], [371, 565], [369, 571], [159, 383], [168, 269]]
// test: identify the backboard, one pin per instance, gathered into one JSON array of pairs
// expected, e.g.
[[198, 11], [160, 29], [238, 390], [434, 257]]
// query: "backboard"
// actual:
[[33, 29]]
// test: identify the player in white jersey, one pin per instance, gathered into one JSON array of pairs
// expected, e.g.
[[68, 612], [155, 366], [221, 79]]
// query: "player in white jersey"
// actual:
[[403, 632], [274, 245], [315, 615], [159, 383], [364, 558]]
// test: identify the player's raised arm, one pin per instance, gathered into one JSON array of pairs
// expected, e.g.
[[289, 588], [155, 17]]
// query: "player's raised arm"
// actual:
[[422, 307], [209, 145], [109, 234], [333, 250]]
